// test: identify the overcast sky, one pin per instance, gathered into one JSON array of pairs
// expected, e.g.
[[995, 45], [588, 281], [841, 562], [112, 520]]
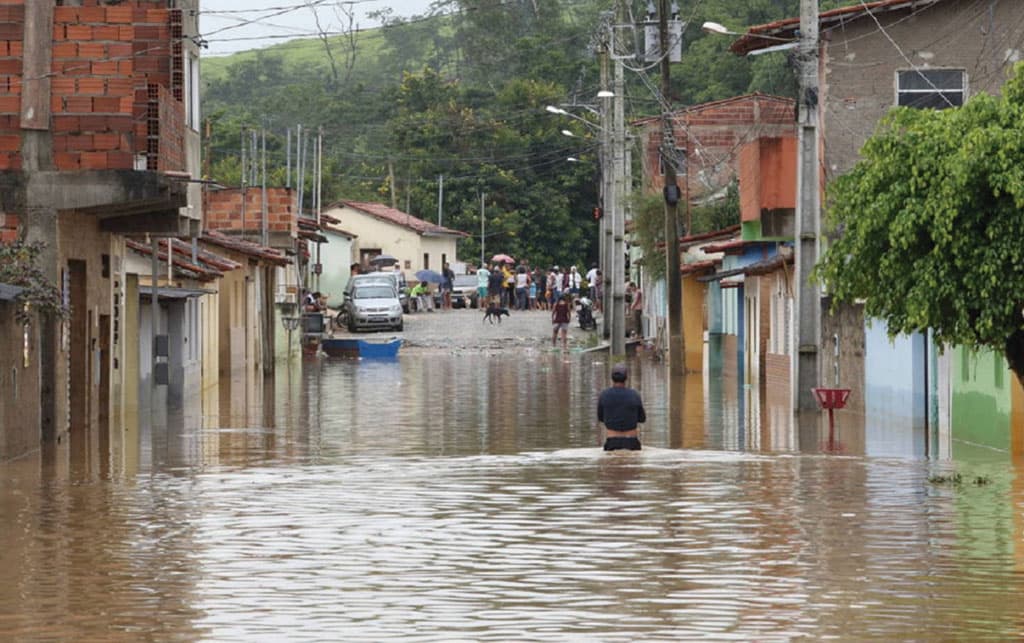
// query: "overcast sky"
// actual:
[[238, 25]]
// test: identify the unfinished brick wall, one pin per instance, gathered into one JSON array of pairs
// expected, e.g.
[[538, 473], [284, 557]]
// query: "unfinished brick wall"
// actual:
[[223, 210], [712, 135], [12, 17], [9, 227], [105, 59]]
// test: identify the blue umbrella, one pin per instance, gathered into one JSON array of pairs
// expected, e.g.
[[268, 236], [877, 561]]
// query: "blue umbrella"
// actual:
[[429, 276]]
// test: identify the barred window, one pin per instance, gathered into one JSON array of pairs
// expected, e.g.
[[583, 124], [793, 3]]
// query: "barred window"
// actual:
[[931, 88]]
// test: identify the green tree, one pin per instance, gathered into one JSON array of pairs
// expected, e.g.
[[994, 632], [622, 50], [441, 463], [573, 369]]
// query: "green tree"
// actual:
[[929, 224], [18, 267]]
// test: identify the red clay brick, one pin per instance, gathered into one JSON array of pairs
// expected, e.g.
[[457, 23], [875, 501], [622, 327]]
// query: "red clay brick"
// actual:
[[105, 105], [77, 105], [105, 33], [10, 220], [4, 48], [119, 15], [10, 142], [106, 142], [126, 34], [119, 87], [65, 14], [56, 104], [66, 161], [93, 160], [11, 31], [120, 160], [60, 32], [92, 86], [10, 66], [66, 124], [92, 123], [125, 67], [119, 50], [60, 143], [104, 68], [65, 49], [79, 143], [92, 50], [10, 104], [94, 14], [81, 33], [14, 47], [12, 13], [126, 104]]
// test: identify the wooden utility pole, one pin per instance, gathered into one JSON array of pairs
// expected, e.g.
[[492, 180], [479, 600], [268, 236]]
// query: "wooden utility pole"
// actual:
[[808, 301], [673, 282]]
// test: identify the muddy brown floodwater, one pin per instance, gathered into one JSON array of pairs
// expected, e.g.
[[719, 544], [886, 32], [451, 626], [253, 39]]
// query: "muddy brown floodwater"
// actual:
[[458, 493]]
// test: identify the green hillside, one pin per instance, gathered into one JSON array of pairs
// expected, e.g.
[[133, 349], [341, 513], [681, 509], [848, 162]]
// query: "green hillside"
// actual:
[[463, 96]]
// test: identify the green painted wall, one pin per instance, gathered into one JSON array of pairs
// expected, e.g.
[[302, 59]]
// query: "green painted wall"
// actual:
[[981, 405]]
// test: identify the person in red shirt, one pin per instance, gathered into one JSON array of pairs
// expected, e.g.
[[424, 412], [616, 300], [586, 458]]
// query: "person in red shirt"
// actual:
[[561, 315]]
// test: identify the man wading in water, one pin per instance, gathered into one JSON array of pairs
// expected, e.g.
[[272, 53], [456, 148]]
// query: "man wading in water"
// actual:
[[620, 409]]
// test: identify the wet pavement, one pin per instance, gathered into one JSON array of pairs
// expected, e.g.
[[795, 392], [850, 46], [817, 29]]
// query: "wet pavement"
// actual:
[[458, 493]]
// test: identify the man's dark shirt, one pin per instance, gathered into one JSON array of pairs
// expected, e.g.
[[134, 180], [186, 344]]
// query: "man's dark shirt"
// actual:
[[620, 408]]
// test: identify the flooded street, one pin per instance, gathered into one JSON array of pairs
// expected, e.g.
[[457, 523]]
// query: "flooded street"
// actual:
[[459, 493]]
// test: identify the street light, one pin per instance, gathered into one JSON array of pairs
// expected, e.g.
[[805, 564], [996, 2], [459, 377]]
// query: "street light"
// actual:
[[720, 30]]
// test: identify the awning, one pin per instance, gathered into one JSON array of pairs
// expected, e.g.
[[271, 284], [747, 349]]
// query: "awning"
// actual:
[[9, 292], [170, 292], [723, 274]]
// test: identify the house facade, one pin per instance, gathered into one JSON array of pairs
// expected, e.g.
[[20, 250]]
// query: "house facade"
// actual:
[[929, 54], [379, 229], [708, 140], [98, 137]]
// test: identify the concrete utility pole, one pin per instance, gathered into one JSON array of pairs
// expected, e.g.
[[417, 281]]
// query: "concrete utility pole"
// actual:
[[618, 223], [673, 282], [808, 301], [607, 196]]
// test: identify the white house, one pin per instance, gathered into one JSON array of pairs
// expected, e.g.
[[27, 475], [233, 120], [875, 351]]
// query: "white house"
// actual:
[[379, 229]]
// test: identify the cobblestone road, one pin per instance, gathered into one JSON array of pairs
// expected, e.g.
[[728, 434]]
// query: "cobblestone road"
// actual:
[[465, 329]]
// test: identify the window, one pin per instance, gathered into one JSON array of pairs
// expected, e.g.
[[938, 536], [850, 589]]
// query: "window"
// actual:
[[192, 91], [931, 88]]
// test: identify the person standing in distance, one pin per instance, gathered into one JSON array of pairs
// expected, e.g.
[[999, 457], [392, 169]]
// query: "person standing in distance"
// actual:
[[620, 409]]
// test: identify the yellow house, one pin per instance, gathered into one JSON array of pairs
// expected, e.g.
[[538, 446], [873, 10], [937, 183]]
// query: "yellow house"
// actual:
[[379, 229]]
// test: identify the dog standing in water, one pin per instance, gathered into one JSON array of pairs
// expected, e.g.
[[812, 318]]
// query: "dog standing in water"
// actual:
[[495, 312]]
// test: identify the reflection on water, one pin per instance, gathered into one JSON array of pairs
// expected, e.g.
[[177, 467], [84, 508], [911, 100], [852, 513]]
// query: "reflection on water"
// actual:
[[455, 494]]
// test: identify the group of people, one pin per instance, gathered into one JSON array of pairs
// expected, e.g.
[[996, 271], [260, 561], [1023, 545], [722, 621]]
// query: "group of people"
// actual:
[[526, 288]]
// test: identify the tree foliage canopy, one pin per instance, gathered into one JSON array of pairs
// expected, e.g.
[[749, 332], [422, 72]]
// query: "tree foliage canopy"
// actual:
[[462, 95], [930, 223]]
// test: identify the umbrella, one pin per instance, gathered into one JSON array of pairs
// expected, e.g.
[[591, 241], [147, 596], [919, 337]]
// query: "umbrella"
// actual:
[[429, 276], [384, 260], [503, 258]]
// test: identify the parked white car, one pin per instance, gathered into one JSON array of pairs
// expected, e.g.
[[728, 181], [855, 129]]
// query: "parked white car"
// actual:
[[372, 306]]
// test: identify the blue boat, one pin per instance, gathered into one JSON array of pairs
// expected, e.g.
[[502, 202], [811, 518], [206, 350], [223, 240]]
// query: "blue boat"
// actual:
[[365, 348]]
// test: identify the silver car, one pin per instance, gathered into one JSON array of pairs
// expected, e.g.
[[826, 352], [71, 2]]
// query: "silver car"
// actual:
[[373, 306]]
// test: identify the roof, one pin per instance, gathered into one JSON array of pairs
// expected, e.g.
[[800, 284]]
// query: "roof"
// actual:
[[697, 267], [199, 271], [245, 247], [403, 219], [715, 104], [767, 35], [735, 246]]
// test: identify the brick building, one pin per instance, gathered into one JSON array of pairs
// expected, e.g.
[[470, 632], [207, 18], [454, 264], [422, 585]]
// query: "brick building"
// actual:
[[98, 138]]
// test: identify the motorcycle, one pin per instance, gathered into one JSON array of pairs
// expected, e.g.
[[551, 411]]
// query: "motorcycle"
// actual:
[[585, 314]]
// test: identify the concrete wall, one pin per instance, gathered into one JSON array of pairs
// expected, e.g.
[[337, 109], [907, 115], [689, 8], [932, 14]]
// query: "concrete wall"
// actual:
[[981, 402], [404, 243], [984, 38], [19, 386], [336, 257]]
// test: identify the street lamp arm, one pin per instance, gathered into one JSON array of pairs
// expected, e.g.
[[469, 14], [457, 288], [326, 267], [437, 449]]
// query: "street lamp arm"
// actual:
[[561, 112], [720, 30]]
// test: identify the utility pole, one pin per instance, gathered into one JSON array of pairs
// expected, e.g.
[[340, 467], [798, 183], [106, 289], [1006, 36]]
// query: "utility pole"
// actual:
[[673, 282], [808, 301], [618, 259], [607, 195]]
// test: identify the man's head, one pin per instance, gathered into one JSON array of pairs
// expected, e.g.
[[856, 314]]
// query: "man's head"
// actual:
[[619, 372]]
